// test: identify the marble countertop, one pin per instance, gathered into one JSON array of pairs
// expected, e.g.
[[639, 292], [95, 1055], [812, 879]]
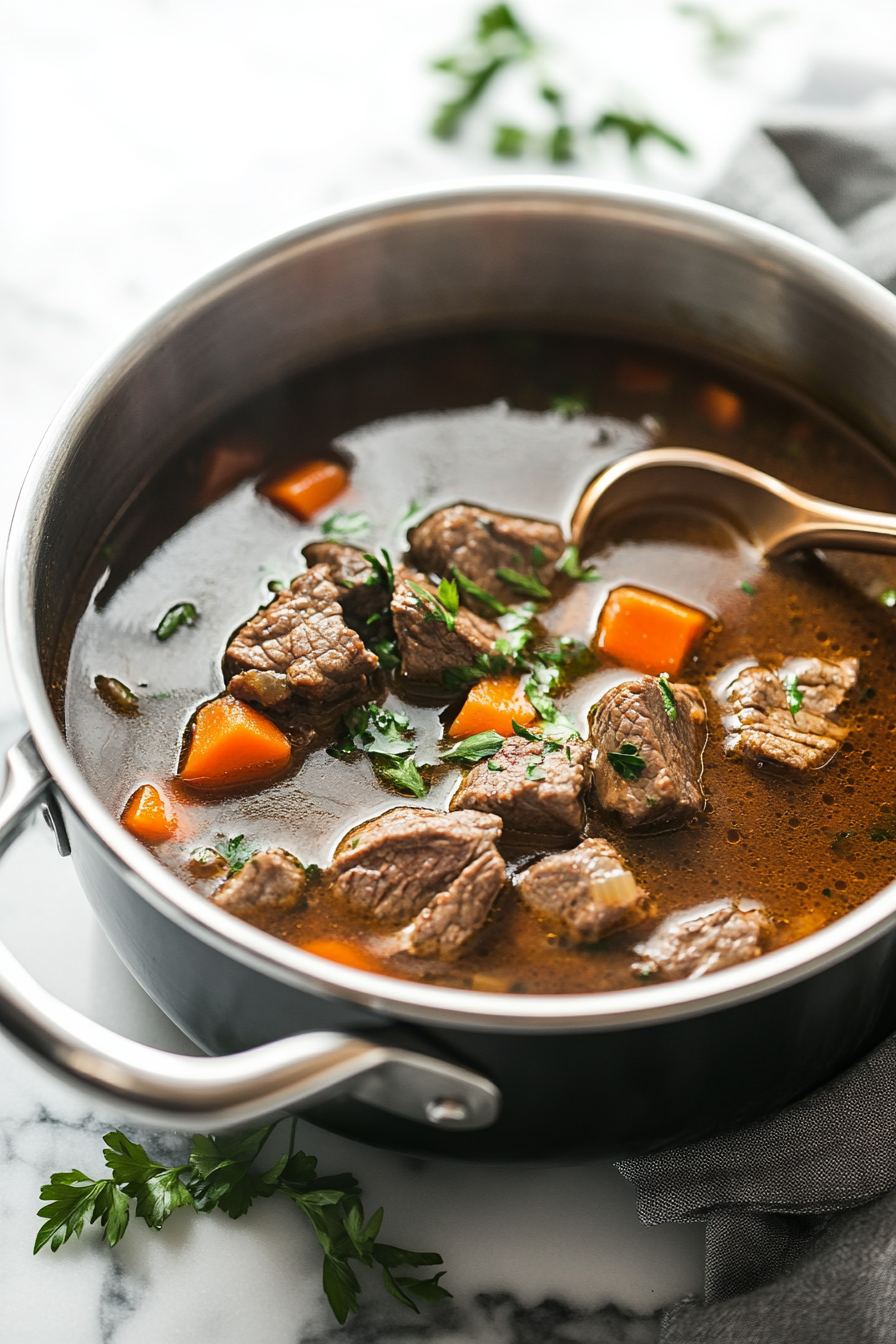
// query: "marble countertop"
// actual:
[[142, 142]]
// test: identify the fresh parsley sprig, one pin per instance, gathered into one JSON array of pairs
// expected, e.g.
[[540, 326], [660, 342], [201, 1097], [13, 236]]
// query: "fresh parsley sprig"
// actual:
[[218, 1174], [499, 42], [527, 585], [235, 853], [479, 593], [483, 665], [382, 572]]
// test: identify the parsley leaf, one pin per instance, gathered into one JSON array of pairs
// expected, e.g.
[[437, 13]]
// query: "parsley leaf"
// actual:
[[341, 526], [479, 593], [534, 771], [636, 130], [182, 613], [668, 695], [493, 765], [386, 651], [381, 572], [483, 665], [441, 606], [626, 761], [524, 732], [747, 588], [529, 585], [792, 693], [568, 564], [518, 630], [405, 775], [219, 1173], [475, 748]]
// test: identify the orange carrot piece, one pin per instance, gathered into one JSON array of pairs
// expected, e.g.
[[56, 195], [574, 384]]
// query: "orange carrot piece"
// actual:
[[722, 408], [347, 954], [648, 632], [232, 744], [147, 817], [633, 376], [492, 704], [311, 487]]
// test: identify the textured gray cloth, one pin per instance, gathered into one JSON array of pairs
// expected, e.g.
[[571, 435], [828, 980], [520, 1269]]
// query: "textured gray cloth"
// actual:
[[800, 1208]]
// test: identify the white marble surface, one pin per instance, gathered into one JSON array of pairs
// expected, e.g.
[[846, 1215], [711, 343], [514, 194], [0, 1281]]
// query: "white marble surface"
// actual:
[[141, 143]]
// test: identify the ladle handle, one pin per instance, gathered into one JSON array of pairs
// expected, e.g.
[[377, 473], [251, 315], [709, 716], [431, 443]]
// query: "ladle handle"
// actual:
[[183, 1091]]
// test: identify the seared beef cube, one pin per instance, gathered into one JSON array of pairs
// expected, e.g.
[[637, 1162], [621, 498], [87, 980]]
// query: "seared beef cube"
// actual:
[[440, 871], [302, 636], [426, 644], [480, 542], [589, 888], [761, 727], [272, 880], [535, 787], [660, 784], [351, 574], [686, 947]]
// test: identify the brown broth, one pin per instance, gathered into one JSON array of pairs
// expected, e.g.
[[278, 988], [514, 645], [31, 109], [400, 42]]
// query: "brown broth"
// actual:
[[401, 417]]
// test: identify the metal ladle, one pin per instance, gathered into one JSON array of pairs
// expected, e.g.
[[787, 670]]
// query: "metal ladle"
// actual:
[[774, 516]]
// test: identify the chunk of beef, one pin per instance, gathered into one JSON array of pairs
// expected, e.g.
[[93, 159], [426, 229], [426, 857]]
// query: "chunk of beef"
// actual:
[[760, 726], [693, 944], [301, 636], [589, 888], [351, 573], [666, 791], [426, 644], [441, 871], [533, 787], [480, 542], [272, 880]]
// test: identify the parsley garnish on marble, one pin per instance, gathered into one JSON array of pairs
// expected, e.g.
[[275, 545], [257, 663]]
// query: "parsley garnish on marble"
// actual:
[[218, 1174]]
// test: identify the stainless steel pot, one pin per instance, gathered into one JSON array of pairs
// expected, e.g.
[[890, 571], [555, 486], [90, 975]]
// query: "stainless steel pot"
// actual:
[[410, 1065]]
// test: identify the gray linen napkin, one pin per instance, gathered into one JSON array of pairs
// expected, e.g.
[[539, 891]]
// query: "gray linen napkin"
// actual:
[[800, 1209]]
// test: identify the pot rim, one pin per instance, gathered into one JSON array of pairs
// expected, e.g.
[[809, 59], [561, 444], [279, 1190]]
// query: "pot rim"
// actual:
[[404, 999]]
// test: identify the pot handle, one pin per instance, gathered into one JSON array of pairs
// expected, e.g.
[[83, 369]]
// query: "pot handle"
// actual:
[[183, 1091]]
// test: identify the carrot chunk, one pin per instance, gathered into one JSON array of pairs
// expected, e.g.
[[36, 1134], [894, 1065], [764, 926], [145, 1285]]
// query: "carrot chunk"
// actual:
[[232, 743], [722, 408], [492, 704], [312, 486], [147, 816], [347, 954], [648, 632]]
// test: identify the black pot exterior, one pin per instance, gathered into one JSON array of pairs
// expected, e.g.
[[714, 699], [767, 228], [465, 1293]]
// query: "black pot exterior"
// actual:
[[567, 1094]]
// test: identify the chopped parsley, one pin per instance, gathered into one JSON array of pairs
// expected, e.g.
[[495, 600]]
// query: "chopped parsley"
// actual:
[[568, 564], [386, 651], [840, 837], [747, 588], [341, 526], [479, 593], [792, 693], [626, 761], [440, 606], [668, 695], [879, 833], [524, 732], [483, 665], [534, 771], [493, 765], [888, 598], [527, 585], [478, 747], [569, 406], [236, 853], [388, 741], [381, 572], [182, 613]]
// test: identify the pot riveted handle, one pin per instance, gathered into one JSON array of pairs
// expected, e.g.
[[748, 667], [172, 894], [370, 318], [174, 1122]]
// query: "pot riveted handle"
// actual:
[[184, 1091]]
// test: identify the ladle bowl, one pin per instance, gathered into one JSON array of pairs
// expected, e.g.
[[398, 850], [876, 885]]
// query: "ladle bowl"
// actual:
[[775, 517]]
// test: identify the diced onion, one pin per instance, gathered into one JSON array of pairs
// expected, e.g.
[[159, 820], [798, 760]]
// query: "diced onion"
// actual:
[[617, 887]]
